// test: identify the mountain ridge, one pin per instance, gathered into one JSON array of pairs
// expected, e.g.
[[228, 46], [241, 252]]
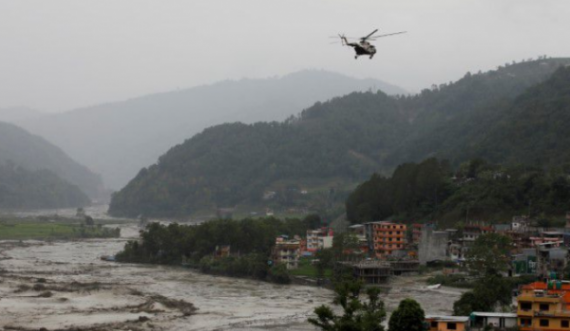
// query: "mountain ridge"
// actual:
[[234, 164], [122, 137], [33, 153]]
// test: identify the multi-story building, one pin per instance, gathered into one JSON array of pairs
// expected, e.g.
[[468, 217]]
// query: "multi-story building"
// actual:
[[287, 252], [386, 237], [544, 306], [472, 231], [319, 239]]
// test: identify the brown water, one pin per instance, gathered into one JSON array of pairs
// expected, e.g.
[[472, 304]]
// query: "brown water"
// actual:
[[223, 303]]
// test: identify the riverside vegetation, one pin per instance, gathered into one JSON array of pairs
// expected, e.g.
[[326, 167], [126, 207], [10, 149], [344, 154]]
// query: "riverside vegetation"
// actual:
[[251, 241], [56, 229]]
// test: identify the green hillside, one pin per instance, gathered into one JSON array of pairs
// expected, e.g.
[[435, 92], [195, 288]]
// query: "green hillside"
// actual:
[[343, 140], [33, 153], [476, 190]]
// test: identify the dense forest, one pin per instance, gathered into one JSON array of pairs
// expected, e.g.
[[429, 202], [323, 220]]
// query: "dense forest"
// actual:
[[476, 190], [26, 189], [31, 152], [490, 115]]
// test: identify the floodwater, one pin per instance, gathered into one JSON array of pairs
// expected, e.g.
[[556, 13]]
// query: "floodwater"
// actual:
[[124, 295]]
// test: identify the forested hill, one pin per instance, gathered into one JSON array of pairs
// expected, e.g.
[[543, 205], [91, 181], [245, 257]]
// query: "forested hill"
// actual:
[[343, 140], [21, 149], [22, 189], [448, 119], [117, 139]]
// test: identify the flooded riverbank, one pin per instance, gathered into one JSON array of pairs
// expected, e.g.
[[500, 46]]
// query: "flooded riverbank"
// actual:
[[110, 296]]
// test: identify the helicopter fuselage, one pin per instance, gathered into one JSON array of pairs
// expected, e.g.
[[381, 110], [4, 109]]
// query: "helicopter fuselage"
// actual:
[[365, 48]]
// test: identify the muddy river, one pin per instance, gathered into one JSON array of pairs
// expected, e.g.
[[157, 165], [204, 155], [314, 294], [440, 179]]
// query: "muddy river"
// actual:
[[64, 285]]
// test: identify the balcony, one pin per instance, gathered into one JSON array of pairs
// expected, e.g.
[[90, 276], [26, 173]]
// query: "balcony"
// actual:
[[525, 312]]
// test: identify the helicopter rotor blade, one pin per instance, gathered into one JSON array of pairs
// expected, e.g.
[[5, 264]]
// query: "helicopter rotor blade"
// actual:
[[336, 37], [386, 35], [370, 35]]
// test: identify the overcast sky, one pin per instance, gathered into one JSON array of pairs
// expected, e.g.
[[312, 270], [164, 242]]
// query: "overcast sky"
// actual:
[[57, 55]]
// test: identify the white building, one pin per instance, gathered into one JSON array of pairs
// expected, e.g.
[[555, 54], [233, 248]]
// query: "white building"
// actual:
[[319, 239]]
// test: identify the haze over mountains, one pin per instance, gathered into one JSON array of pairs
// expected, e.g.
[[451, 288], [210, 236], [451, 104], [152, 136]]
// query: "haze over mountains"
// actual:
[[348, 138], [118, 139], [15, 114]]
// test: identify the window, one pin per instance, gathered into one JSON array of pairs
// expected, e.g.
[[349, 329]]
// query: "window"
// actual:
[[565, 323], [526, 306], [544, 322], [526, 321], [452, 326], [434, 324], [543, 307]]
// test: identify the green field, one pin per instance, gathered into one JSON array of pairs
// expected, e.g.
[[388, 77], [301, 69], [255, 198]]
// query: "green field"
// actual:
[[308, 270], [13, 230]]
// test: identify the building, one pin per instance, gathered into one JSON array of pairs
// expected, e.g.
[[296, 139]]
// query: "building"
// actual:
[[287, 252], [385, 237], [222, 251], [473, 231], [446, 323], [524, 263], [499, 321], [370, 271], [544, 306], [550, 257], [319, 239], [434, 245], [520, 224]]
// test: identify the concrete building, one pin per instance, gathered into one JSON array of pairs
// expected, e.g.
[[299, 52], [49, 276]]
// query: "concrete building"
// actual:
[[544, 306], [319, 239], [473, 231], [550, 257], [433, 245], [385, 237], [370, 272], [287, 252]]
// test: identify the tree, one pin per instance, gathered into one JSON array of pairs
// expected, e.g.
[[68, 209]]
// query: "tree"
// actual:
[[488, 291], [357, 315], [325, 260], [489, 254], [409, 316]]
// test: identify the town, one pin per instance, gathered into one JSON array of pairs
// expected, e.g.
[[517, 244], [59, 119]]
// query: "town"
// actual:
[[386, 249]]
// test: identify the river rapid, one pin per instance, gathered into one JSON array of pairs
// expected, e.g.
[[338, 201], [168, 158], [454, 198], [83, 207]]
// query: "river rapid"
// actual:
[[87, 293]]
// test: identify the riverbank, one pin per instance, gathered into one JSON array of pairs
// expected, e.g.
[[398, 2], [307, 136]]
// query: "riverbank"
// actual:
[[119, 289], [112, 296], [52, 229]]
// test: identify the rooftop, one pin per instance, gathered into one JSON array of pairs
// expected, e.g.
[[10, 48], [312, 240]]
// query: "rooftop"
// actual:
[[443, 318], [491, 314]]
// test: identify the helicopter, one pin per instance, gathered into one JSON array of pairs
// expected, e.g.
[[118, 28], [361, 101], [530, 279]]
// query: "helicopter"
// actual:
[[364, 47]]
